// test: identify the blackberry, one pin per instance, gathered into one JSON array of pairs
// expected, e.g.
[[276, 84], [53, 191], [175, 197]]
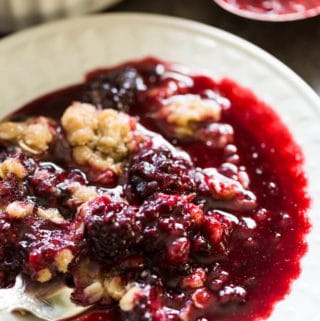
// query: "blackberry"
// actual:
[[11, 259], [157, 170], [112, 229], [116, 89], [169, 221], [49, 186]]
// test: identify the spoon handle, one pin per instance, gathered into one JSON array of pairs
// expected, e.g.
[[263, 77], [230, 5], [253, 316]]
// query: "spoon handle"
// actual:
[[13, 296], [57, 306]]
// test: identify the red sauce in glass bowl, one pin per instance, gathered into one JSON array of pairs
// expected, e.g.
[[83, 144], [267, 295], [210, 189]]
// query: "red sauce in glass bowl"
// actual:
[[257, 249], [273, 10]]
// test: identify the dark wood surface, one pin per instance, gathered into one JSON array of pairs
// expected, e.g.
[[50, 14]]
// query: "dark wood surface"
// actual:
[[296, 43]]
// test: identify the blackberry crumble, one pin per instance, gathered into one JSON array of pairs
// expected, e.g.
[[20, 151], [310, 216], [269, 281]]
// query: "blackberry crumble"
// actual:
[[158, 194]]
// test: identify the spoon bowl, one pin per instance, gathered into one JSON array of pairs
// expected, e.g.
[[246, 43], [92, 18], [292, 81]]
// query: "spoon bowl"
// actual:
[[49, 302]]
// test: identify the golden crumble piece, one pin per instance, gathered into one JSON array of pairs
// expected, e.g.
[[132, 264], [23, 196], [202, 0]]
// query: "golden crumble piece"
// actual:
[[63, 259], [114, 287], [81, 193], [84, 155], [44, 275], [19, 210], [12, 166], [37, 136], [97, 285], [100, 138], [11, 130], [184, 111], [51, 214], [80, 121], [94, 292], [127, 301], [115, 131], [34, 135], [88, 277]]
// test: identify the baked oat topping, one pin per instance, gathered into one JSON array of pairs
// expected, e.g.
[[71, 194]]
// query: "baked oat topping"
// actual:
[[34, 136], [19, 210], [51, 214], [44, 275], [12, 166], [100, 138], [82, 193], [185, 112]]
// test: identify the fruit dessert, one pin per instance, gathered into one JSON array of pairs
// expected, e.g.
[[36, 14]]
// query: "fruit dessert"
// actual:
[[156, 194], [276, 7]]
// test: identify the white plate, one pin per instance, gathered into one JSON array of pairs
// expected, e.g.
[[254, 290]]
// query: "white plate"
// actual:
[[55, 55]]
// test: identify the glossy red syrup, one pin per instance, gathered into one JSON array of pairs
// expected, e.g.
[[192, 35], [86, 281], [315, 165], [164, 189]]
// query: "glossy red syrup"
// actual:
[[274, 7], [97, 315], [263, 260]]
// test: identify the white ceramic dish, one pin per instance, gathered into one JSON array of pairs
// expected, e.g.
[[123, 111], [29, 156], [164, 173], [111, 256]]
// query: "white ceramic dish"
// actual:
[[17, 14], [55, 55]]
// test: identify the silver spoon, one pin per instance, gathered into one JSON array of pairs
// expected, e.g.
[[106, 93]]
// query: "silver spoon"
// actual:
[[49, 302]]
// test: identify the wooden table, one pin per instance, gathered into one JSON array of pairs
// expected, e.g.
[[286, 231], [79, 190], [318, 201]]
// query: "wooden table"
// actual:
[[297, 43]]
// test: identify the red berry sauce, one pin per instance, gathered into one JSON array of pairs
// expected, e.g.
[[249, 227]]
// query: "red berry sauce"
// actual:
[[275, 7], [221, 244]]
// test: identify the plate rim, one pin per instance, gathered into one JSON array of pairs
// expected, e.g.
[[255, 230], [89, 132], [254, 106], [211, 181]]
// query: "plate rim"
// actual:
[[183, 23]]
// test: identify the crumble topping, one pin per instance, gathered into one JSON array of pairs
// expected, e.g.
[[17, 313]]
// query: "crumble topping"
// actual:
[[100, 138], [115, 287], [19, 210], [105, 290], [84, 155], [44, 275], [11, 131], [128, 301], [184, 112], [95, 286], [82, 193], [12, 166], [63, 259], [115, 134], [94, 292], [34, 136], [80, 123], [51, 214]]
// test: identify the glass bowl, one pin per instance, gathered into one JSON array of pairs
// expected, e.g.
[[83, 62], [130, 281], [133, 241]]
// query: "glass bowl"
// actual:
[[272, 10]]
